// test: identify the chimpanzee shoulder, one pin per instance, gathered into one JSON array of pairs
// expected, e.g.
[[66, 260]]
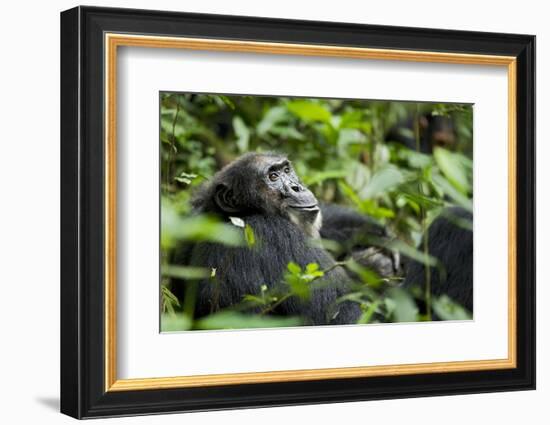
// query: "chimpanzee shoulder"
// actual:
[[344, 225]]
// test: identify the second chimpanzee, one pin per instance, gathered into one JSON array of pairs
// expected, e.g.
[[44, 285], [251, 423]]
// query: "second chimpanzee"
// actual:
[[432, 131]]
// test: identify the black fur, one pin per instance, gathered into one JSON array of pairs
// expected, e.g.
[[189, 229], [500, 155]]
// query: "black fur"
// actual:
[[347, 227], [453, 246], [243, 270]]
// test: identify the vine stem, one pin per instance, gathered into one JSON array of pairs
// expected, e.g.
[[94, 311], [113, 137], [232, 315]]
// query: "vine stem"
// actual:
[[427, 269], [425, 230], [173, 144], [417, 128]]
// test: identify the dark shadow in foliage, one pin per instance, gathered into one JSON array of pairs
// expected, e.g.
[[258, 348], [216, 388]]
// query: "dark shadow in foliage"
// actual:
[[452, 243]]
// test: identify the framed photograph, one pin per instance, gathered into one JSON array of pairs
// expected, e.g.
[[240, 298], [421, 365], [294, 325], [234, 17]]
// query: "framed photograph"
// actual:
[[262, 212]]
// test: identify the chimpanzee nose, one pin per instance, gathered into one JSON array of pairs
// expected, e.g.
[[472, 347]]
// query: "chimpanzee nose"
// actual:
[[296, 187]]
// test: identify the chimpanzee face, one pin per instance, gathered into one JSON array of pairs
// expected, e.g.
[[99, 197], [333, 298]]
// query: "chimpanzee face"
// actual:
[[266, 183], [287, 193], [281, 180]]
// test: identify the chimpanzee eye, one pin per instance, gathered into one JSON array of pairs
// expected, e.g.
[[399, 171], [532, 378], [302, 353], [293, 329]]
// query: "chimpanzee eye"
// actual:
[[273, 176], [287, 170]]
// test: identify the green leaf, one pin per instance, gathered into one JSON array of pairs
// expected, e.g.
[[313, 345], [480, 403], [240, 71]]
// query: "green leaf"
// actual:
[[463, 223], [272, 117], [405, 309], [298, 286], [227, 101], [175, 322], [358, 176], [234, 320], [309, 111], [199, 228], [367, 315], [456, 168], [310, 277], [286, 132], [355, 119], [366, 206], [366, 275], [348, 136], [415, 159], [381, 154], [169, 300], [327, 244], [405, 249], [443, 184], [242, 132], [371, 208], [253, 299], [321, 176], [249, 235], [312, 267], [415, 254], [185, 272], [382, 181], [348, 191], [298, 281], [447, 309], [421, 200], [186, 178], [294, 268]]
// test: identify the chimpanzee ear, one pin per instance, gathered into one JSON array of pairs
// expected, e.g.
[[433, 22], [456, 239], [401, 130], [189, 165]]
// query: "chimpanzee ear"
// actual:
[[225, 199]]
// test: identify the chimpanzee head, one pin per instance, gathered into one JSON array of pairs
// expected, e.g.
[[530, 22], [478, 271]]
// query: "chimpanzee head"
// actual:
[[261, 183]]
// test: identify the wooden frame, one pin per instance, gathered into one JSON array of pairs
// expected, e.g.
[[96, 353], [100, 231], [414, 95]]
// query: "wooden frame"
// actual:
[[90, 38]]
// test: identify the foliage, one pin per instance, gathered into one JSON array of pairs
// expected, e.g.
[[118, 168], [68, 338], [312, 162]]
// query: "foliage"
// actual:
[[339, 149]]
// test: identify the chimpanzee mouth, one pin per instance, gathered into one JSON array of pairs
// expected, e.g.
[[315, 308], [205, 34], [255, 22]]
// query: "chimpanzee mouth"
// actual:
[[313, 207]]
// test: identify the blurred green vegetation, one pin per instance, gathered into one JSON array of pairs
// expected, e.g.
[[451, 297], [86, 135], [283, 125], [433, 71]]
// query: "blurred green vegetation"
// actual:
[[340, 150]]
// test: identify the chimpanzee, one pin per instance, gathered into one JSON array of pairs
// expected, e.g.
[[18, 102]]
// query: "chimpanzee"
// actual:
[[433, 131], [261, 190], [452, 244]]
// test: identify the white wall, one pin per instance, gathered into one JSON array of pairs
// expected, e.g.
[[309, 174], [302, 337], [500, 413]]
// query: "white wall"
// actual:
[[29, 213]]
